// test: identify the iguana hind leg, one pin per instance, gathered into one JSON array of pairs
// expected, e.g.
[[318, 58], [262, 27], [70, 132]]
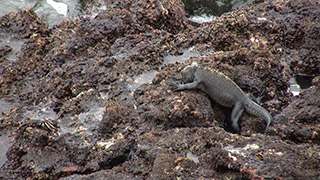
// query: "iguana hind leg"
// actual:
[[235, 116], [256, 100]]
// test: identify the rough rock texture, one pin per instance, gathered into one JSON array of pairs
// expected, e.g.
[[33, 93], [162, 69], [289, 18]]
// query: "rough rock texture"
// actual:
[[299, 122], [78, 73]]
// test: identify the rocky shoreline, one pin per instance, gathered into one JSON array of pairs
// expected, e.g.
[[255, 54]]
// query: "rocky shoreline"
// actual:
[[77, 74]]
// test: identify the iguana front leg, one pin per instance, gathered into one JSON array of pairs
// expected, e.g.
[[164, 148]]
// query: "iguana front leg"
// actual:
[[192, 85]]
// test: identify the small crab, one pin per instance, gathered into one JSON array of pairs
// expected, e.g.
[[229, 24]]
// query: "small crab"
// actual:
[[45, 123]]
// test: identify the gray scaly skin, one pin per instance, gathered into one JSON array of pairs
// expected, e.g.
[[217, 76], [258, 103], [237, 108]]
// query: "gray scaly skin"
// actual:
[[223, 91]]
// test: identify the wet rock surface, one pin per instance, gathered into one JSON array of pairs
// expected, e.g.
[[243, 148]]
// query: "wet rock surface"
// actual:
[[77, 75]]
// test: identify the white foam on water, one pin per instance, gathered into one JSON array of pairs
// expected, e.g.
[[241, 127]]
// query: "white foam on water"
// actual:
[[202, 18], [294, 87], [60, 7]]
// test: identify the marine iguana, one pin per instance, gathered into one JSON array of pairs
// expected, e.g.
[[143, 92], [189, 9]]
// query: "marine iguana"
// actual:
[[223, 91]]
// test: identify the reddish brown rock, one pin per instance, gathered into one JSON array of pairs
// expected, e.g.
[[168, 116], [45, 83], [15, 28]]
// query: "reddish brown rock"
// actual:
[[79, 71]]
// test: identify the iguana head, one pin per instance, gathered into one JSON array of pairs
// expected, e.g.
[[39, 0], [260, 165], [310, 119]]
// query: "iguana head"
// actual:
[[188, 73]]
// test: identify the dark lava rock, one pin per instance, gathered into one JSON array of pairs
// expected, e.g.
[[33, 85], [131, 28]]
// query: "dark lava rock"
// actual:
[[4, 50], [23, 24], [78, 73], [299, 122]]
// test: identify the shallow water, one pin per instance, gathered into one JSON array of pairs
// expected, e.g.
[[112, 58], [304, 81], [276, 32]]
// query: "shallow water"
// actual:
[[213, 7], [299, 82], [4, 146], [145, 77], [186, 54], [91, 119], [6, 106], [41, 112], [15, 44]]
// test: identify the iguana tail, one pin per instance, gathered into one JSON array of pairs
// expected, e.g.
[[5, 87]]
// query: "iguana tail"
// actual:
[[256, 110]]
